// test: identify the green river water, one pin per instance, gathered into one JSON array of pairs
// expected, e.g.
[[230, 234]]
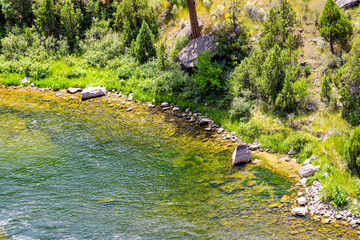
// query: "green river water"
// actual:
[[93, 170]]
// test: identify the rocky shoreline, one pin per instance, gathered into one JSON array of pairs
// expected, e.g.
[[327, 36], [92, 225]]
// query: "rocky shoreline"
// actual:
[[308, 202]]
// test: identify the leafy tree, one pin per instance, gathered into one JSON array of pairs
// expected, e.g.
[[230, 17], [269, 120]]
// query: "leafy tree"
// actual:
[[326, 87], [46, 20], [207, 73], [129, 18], [18, 11], [144, 46], [353, 151], [334, 26], [70, 21]]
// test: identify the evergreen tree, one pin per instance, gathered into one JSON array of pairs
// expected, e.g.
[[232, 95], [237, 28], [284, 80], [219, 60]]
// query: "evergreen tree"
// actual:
[[285, 100], [18, 12], [334, 26], [144, 46], [46, 18], [161, 57], [129, 18], [287, 14], [326, 88], [70, 21]]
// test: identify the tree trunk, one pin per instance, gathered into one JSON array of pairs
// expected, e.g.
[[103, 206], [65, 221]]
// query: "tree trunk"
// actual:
[[195, 29], [331, 47]]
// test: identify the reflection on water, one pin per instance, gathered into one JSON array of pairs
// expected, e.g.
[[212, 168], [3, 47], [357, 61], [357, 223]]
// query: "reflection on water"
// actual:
[[94, 171]]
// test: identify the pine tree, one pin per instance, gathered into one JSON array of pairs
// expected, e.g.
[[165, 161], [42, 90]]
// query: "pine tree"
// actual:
[[70, 21], [144, 46], [46, 18], [285, 100], [334, 26], [161, 56], [326, 88], [129, 18]]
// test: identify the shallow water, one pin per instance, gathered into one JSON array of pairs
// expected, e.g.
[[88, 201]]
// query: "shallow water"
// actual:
[[93, 170]]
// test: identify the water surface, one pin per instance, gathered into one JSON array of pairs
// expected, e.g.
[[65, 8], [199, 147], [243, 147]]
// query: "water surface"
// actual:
[[93, 170]]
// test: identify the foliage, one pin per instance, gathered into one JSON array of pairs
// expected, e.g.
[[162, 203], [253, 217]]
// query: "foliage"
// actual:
[[144, 47], [353, 151], [249, 131], [336, 193], [162, 57], [17, 12], [70, 21], [348, 78], [46, 20], [307, 71], [207, 73], [285, 101], [130, 16], [240, 108], [334, 26], [326, 87]]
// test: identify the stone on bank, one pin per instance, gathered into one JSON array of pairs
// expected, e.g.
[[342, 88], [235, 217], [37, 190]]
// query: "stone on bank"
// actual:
[[92, 92], [299, 211], [241, 154]]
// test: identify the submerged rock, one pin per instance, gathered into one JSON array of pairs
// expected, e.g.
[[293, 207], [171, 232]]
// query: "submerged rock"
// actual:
[[308, 170], [93, 92], [204, 121], [301, 201], [241, 154], [299, 211]]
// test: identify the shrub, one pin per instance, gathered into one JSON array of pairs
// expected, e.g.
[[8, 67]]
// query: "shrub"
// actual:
[[240, 108], [249, 131], [326, 87], [285, 100], [181, 42], [307, 71], [207, 73], [144, 47], [161, 57], [334, 192], [353, 151]]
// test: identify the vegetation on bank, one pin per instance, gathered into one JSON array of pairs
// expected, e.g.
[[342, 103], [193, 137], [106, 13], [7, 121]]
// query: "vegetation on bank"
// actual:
[[260, 89]]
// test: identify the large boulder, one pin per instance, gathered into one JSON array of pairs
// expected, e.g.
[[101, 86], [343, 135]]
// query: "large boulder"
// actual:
[[345, 4], [241, 154], [308, 170], [188, 55], [92, 92]]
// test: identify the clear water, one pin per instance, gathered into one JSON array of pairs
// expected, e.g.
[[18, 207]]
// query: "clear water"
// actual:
[[92, 170]]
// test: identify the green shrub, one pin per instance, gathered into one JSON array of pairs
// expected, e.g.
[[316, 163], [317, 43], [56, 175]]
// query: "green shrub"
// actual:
[[125, 66], [249, 131], [240, 108], [353, 151], [326, 88], [336, 193], [307, 71], [207, 73]]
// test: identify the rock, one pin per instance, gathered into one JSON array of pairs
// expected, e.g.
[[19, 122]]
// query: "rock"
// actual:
[[25, 80], [165, 108], [241, 154], [299, 211], [220, 130], [300, 194], [176, 109], [192, 119], [303, 182], [308, 170], [186, 29], [255, 146], [151, 105], [233, 134], [188, 55], [345, 4], [301, 201], [292, 152], [92, 92], [208, 129], [303, 63], [204, 121], [287, 159], [130, 97], [165, 104], [73, 90]]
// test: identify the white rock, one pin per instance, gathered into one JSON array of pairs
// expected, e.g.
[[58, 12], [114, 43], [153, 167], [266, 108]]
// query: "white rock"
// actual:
[[73, 90], [164, 104], [220, 130], [130, 97], [301, 201], [308, 170], [299, 211], [92, 92], [176, 109]]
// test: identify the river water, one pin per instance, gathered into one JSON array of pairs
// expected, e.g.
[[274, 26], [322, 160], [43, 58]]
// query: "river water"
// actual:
[[96, 170]]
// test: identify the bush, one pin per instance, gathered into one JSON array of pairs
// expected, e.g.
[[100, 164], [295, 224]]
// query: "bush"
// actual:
[[326, 87], [207, 73], [125, 66], [240, 108], [249, 131], [307, 71], [353, 151], [336, 193]]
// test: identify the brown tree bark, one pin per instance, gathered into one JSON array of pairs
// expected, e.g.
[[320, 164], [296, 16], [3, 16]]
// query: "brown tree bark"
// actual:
[[195, 28]]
